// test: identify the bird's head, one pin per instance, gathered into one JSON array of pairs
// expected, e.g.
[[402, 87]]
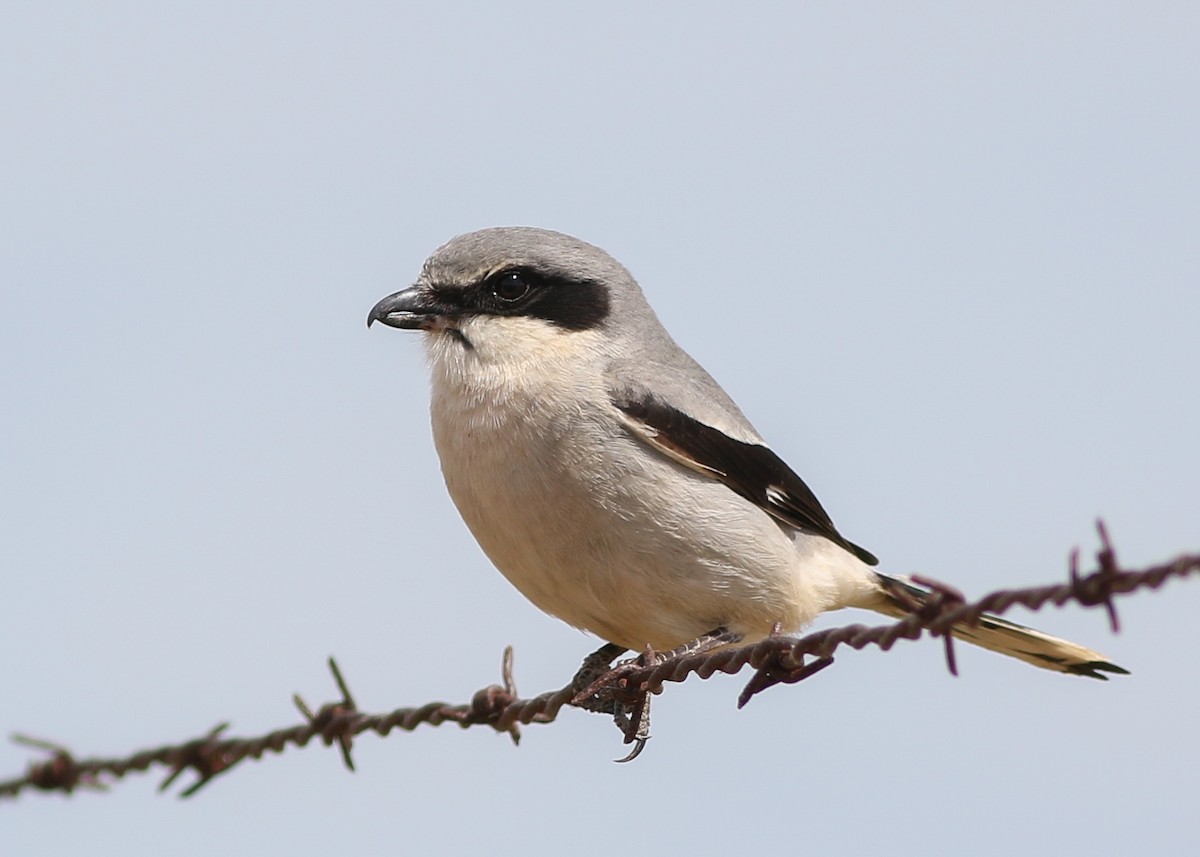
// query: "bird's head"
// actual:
[[507, 295]]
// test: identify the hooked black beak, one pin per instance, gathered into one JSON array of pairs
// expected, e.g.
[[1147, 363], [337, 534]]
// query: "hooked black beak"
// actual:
[[412, 309]]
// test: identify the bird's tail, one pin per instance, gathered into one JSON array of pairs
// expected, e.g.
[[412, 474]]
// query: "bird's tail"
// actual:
[[1000, 635]]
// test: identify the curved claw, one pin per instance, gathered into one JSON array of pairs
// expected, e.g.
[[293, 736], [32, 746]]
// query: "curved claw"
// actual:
[[638, 746]]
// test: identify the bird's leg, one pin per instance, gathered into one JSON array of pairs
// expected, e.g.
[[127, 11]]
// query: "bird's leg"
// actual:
[[595, 673], [714, 639], [596, 683]]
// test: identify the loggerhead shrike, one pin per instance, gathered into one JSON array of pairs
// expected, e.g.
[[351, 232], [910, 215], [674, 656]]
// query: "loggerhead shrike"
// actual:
[[612, 480]]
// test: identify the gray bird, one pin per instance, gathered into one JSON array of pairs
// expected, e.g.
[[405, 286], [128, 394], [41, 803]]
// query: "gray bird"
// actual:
[[612, 480]]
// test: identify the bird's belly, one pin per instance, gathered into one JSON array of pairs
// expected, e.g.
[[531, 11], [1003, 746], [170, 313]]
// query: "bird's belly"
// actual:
[[609, 536]]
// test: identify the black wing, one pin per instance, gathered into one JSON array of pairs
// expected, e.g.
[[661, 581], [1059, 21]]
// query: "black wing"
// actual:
[[750, 469]]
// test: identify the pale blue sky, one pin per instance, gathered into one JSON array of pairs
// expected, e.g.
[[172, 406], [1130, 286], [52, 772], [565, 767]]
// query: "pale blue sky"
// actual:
[[944, 257]]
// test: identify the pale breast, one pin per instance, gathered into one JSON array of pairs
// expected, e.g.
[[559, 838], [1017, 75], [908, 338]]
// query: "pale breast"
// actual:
[[601, 531]]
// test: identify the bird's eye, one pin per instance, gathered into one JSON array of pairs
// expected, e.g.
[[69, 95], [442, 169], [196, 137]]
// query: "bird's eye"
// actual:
[[510, 286]]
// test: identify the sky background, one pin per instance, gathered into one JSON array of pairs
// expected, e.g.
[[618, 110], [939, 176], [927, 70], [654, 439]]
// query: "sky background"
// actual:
[[945, 258]]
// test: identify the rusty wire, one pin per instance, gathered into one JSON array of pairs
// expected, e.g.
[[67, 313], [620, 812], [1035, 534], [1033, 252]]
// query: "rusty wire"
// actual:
[[776, 660]]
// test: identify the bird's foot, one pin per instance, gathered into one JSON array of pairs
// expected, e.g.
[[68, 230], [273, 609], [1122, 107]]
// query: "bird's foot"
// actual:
[[606, 689], [594, 667]]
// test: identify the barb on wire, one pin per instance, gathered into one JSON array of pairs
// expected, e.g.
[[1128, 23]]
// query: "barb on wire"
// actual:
[[624, 688], [329, 713]]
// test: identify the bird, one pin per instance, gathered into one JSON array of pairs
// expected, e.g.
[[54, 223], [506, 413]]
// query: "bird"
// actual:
[[613, 481]]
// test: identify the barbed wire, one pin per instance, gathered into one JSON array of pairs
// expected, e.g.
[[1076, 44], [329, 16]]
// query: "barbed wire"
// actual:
[[623, 690]]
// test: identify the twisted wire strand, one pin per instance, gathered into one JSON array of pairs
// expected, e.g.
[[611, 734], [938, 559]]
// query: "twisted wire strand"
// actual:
[[776, 660]]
